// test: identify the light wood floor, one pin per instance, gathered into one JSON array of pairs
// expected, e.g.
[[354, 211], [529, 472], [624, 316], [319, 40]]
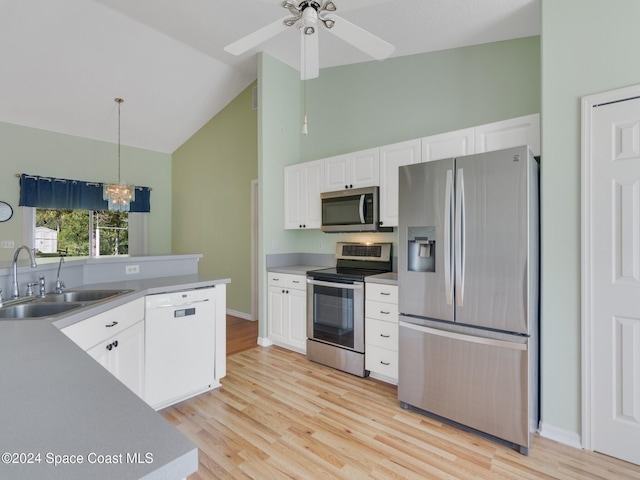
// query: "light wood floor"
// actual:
[[277, 415]]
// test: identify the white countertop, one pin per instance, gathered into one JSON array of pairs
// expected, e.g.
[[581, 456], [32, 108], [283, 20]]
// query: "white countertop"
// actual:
[[57, 403]]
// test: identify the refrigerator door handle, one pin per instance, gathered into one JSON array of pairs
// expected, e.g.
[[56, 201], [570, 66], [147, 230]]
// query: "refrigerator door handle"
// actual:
[[448, 258], [459, 237]]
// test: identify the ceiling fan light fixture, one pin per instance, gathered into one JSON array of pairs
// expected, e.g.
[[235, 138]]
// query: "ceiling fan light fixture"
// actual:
[[329, 23], [309, 30]]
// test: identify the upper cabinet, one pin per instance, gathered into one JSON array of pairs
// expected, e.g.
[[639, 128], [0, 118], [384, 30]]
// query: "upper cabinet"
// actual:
[[391, 158], [509, 133], [448, 145], [352, 170], [302, 186]]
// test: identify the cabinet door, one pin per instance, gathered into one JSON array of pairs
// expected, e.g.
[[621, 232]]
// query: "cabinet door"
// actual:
[[123, 356], [297, 319], [293, 207], [509, 133], [277, 311], [314, 182], [392, 157], [364, 168], [448, 145], [336, 173]]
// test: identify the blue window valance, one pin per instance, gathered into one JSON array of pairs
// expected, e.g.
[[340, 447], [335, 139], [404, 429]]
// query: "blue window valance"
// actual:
[[49, 192]]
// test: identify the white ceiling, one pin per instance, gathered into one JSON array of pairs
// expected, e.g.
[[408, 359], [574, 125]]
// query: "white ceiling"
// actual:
[[63, 62]]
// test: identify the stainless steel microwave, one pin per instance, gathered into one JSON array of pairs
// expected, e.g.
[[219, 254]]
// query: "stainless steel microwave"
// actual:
[[353, 210]]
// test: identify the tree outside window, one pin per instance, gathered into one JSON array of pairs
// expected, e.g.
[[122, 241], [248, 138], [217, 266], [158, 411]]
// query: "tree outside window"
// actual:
[[81, 232]]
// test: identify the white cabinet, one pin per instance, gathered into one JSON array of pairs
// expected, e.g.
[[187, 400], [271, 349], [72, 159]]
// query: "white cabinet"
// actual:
[[391, 158], [116, 339], [287, 310], [302, 186], [352, 170], [381, 331], [509, 133], [123, 356], [448, 145]]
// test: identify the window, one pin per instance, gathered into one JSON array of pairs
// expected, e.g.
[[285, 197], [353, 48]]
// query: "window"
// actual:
[[81, 232]]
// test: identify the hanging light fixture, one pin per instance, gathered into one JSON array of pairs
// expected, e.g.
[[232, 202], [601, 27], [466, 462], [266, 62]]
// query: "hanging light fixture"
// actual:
[[119, 195]]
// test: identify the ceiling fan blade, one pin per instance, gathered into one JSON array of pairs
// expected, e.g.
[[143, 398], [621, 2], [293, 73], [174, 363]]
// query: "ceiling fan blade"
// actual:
[[256, 38], [309, 56], [360, 38]]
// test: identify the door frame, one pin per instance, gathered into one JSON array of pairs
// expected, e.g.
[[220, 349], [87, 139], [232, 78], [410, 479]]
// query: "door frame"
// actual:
[[588, 104], [255, 229]]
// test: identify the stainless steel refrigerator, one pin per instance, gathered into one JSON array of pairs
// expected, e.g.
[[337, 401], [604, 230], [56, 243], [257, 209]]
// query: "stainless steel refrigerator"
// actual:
[[468, 292]]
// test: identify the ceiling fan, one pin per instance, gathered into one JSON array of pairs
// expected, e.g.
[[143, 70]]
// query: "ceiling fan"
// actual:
[[307, 15]]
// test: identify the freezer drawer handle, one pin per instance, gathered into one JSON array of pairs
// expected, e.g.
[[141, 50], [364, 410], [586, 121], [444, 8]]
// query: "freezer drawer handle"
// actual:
[[465, 338], [113, 324]]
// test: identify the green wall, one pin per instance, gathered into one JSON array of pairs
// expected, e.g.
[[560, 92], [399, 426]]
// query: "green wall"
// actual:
[[211, 185], [587, 47], [375, 103], [40, 152]]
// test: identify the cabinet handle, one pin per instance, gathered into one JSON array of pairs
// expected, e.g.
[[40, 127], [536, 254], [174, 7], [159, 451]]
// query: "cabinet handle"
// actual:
[[115, 344], [282, 290], [295, 281], [384, 313], [350, 186], [110, 346], [113, 324], [385, 293], [287, 291], [385, 336], [299, 226], [386, 364], [346, 186]]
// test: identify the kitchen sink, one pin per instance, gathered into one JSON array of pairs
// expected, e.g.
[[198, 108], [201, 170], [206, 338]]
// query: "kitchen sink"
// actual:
[[82, 295], [37, 310]]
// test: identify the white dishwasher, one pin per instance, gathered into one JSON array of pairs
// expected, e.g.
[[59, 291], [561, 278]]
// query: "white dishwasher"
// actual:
[[179, 345]]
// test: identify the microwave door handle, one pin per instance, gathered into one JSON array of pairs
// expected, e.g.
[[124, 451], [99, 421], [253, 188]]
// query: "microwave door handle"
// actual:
[[362, 208]]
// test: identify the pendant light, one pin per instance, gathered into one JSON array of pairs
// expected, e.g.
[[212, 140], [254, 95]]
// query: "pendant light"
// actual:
[[119, 195]]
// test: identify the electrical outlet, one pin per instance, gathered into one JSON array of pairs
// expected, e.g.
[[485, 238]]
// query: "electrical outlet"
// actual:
[[7, 244], [129, 269]]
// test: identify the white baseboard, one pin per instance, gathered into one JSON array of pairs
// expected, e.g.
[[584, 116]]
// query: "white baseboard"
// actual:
[[235, 313], [560, 435], [264, 342]]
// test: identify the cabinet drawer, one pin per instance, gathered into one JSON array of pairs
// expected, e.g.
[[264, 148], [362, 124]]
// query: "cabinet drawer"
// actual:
[[381, 311], [382, 361], [287, 280], [382, 293], [382, 334], [100, 327]]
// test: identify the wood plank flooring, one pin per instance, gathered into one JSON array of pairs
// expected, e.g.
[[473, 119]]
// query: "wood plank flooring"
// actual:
[[241, 334], [277, 415]]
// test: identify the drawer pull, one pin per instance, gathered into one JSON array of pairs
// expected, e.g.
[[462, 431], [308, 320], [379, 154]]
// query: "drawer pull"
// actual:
[[295, 281], [385, 293], [384, 313], [385, 336], [113, 324], [386, 364]]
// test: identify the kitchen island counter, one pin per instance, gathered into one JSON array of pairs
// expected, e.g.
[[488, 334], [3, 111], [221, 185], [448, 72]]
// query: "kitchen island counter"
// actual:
[[65, 417]]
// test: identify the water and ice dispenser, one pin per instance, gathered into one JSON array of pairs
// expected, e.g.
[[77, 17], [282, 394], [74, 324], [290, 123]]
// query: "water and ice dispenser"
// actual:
[[421, 249]]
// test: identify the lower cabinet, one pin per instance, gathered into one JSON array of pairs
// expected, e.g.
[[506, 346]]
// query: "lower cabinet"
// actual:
[[381, 331], [123, 356], [287, 311], [115, 338]]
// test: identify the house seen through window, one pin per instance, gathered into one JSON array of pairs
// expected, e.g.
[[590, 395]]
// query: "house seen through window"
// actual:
[[81, 232]]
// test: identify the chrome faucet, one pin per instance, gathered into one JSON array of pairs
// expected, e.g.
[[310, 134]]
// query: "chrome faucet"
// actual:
[[59, 283], [14, 284], [42, 289]]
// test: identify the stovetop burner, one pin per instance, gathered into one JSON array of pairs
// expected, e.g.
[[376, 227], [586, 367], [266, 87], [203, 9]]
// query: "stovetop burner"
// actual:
[[355, 261]]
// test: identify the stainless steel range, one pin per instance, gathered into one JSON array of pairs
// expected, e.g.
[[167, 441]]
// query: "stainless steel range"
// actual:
[[335, 305]]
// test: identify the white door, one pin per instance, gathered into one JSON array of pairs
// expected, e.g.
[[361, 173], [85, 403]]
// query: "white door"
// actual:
[[613, 295], [364, 168], [392, 157], [314, 182], [509, 133]]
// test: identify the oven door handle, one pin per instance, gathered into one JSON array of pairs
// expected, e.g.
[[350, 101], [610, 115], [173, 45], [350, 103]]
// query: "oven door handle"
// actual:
[[348, 286]]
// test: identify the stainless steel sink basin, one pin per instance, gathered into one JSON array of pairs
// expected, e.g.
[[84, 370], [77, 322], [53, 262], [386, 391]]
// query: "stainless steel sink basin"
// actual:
[[37, 310], [83, 295]]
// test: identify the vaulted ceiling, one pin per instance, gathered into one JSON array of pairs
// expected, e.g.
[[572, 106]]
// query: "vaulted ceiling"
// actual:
[[62, 62]]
